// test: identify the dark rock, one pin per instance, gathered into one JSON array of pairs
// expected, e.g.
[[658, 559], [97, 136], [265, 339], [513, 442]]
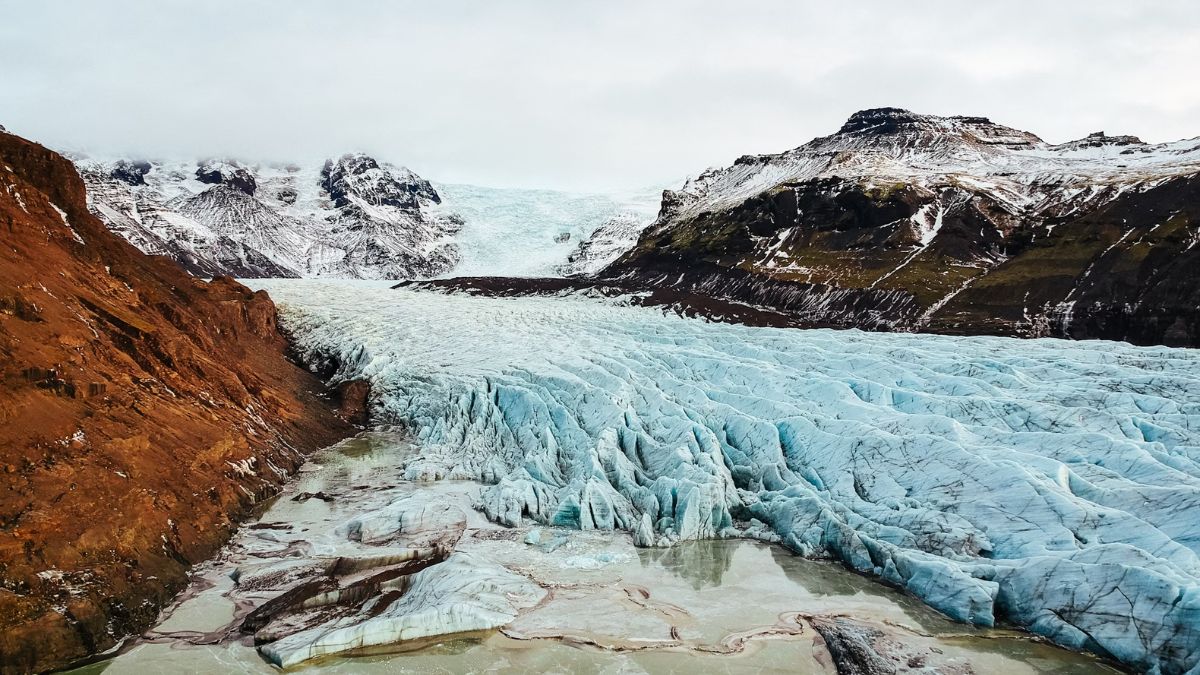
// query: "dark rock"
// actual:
[[352, 397], [853, 647], [881, 121], [362, 177], [305, 496], [287, 196], [226, 173], [131, 172], [1100, 139], [260, 616]]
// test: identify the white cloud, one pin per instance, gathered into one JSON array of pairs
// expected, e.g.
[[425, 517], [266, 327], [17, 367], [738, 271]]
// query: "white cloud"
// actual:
[[581, 94]]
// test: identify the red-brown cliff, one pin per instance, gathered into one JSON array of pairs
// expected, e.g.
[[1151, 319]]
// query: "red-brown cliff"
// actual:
[[142, 411]]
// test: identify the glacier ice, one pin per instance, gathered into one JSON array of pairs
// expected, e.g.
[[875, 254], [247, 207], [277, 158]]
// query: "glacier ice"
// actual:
[[1053, 484], [523, 233], [459, 595]]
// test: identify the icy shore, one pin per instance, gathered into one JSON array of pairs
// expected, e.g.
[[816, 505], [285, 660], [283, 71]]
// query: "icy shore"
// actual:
[[1050, 483]]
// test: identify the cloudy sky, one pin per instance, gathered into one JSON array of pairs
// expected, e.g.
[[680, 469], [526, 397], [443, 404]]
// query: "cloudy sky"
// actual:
[[581, 94]]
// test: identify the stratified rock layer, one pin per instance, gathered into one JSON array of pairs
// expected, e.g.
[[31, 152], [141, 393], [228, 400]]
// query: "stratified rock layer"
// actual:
[[142, 411]]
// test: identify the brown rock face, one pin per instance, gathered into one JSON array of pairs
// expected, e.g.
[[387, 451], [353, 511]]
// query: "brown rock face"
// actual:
[[352, 397], [142, 412]]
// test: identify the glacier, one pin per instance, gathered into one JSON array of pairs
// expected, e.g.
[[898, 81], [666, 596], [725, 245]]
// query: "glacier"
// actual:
[[527, 233], [1046, 483]]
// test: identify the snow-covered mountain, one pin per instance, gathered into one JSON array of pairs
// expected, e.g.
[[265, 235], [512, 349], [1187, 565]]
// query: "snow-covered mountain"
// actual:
[[903, 221], [605, 244], [356, 217], [352, 217]]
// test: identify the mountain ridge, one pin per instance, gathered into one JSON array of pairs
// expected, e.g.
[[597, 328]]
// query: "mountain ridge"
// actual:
[[351, 217], [903, 221]]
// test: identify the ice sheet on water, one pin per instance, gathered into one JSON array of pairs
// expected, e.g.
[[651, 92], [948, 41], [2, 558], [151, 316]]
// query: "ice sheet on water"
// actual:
[[1053, 483]]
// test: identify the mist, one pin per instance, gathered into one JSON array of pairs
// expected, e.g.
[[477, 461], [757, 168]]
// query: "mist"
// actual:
[[580, 95]]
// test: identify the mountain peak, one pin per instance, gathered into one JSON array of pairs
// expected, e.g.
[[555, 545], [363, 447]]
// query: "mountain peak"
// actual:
[[226, 172], [920, 128], [881, 121], [361, 175], [1099, 139]]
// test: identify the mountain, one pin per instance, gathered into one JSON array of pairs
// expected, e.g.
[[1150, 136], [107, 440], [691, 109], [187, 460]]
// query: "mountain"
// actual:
[[352, 217], [143, 411], [911, 222]]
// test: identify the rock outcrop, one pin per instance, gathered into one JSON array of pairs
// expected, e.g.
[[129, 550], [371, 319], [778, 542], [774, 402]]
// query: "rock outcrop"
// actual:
[[353, 217], [142, 412], [605, 244], [911, 222]]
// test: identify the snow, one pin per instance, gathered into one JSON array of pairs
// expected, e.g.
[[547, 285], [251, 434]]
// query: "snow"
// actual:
[[616, 236], [388, 225], [63, 216], [1054, 484], [1019, 170], [294, 222]]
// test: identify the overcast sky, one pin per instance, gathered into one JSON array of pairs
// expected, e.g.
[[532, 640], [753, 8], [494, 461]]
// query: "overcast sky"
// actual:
[[577, 94]]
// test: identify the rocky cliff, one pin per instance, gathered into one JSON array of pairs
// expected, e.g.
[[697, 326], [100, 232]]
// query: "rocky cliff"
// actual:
[[902, 221], [142, 411], [352, 217]]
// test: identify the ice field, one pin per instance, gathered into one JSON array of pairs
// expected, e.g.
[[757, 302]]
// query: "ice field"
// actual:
[[1048, 483]]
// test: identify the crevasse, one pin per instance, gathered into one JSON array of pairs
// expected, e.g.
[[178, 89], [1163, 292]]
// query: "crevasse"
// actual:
[[1053, 484]]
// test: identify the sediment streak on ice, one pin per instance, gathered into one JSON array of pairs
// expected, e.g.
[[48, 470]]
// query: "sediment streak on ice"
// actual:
[[1052, 483]]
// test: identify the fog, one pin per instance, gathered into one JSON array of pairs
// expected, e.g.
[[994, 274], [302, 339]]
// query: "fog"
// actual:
[[579, 95]]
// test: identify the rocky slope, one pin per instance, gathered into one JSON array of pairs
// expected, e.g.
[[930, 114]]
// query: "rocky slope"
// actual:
[[902, 221], [142, 411], [606, 243], [353, 217]]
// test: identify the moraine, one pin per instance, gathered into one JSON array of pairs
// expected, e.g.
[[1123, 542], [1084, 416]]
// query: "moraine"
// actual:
[[999, 481]]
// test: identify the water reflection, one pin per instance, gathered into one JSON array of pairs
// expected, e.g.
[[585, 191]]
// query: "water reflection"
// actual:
[[702, 564]]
